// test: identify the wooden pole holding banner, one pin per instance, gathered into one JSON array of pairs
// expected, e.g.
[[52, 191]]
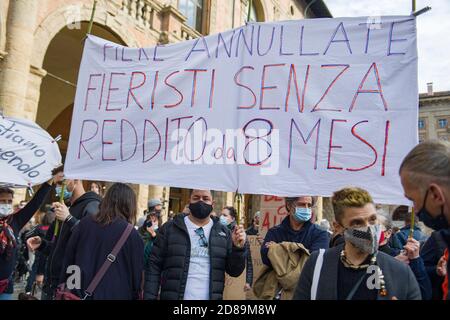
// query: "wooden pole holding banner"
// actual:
[[413, 6], [91, 21], [249, 10], [238, 201], [411, 230], [61, 200]]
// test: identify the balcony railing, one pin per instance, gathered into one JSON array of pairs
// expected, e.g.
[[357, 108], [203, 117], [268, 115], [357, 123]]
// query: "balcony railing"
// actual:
[[142, 11], [187, 33]]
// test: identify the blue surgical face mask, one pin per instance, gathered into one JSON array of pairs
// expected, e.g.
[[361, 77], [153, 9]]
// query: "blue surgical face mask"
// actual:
[[302, 214], [6, 209], [223, 220], [67, 194]]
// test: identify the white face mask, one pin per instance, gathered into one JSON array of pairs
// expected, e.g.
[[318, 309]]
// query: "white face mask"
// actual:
[[5, 210]]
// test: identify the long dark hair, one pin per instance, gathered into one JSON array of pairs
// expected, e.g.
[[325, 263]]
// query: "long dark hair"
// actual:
[[119, 203], [232, 211]]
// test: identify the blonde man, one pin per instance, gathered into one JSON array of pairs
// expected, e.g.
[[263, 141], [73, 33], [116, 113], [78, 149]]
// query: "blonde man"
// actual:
[[356, 270]]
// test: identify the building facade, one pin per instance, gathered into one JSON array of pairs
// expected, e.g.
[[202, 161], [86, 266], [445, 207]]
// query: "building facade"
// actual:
[[434, 115], [434, 118], [41, 46]]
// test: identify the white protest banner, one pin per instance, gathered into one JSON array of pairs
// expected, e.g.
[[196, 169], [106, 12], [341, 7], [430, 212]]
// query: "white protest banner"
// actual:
[[27, 153], [283, 108]]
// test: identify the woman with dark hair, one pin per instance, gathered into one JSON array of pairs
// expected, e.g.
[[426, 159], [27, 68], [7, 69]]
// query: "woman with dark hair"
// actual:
[[92, 243], [96, 188]]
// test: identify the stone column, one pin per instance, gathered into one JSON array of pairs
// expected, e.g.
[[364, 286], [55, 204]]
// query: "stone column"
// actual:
[[15, 67], [327, 209], [432, 131], [319, 209], [229, 199], [33, 92], [141, 198]]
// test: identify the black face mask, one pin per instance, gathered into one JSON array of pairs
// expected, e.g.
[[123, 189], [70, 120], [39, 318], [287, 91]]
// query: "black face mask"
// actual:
[[437, 223], [200, 209]]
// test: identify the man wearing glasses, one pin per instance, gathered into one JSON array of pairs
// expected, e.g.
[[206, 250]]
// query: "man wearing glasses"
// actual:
[[192, 254]]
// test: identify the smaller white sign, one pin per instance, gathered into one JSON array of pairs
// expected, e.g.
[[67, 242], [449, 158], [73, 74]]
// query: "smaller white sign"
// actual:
[[28, 154]]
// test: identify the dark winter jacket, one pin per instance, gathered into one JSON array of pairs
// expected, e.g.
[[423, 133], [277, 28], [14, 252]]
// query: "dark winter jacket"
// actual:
[[17, 222], [310, 235], [169, 261], [418, 268], [252, 231], [88, 248], [53, 248], [431, 252], [248, 264], [399, 279], [248, 259]]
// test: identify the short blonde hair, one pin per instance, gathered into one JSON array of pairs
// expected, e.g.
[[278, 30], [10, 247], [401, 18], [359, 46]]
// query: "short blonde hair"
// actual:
[[428, 162], [351, 197]]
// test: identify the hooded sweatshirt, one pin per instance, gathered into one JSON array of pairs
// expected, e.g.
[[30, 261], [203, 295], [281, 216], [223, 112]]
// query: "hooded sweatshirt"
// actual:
[[54, 247]]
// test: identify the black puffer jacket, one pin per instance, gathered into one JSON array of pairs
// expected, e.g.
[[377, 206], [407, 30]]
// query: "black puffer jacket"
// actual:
[[169, 261]]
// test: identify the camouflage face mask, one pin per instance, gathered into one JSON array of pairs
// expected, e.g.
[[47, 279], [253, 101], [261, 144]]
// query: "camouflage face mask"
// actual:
[[365, 238]]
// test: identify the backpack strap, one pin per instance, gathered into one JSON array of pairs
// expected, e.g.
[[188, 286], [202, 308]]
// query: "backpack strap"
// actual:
[[108, 262], [316, 275]]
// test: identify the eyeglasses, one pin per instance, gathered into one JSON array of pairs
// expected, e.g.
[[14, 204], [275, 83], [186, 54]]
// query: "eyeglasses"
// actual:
[[202, 241]]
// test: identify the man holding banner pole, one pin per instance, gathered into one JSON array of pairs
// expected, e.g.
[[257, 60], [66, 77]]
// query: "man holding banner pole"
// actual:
[[53, 246], [10, 225]]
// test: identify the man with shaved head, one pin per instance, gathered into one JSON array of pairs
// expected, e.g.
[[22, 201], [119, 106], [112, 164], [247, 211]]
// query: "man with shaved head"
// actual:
[[192, 254], [425, 177]]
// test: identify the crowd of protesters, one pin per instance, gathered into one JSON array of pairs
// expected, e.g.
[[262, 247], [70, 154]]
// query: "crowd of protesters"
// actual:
[[91, 245]]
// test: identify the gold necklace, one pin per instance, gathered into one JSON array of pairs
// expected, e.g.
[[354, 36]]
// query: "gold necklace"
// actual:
[[348, 264], [373, 261]]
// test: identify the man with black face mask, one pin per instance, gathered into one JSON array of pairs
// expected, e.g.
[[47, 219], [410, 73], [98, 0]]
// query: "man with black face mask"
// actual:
[[192, 254], [425, 177], [356, 270]]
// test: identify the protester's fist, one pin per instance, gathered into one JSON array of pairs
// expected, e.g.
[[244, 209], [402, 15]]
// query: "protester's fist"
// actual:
[[247, 287], [270, 243], [34, 243], [61, 211], [151, 231], [239, 236], [441, 268], [39, 280], [403, 258], [412, 248]]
